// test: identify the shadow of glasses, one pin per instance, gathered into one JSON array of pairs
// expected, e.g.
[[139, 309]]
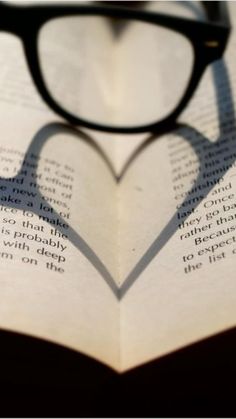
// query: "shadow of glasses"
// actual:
[[187, 132]]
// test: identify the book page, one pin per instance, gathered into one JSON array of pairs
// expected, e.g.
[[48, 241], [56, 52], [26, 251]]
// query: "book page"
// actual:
[[107, 257], [178, 262], [57, 220]]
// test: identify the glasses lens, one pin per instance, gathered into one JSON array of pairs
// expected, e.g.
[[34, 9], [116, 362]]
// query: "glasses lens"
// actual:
[[116, 72]]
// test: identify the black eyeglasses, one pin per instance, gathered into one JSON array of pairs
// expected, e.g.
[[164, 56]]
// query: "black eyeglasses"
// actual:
[[113, 68]]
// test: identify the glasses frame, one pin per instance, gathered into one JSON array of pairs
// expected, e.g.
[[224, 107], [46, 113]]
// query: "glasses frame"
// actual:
[[208, 39]]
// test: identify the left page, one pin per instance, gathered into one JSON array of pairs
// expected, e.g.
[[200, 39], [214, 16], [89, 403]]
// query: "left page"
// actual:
[[55, 236]]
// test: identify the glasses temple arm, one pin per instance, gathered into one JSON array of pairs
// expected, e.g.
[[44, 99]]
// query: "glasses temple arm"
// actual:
[[217, 12]]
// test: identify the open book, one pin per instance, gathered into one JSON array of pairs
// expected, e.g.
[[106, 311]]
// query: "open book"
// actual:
[[120, 247]]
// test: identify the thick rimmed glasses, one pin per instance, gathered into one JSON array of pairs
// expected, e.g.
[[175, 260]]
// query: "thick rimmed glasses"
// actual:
[[113, 68]]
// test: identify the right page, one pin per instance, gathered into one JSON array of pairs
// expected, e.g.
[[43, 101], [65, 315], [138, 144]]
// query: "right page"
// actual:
[[178, 205]]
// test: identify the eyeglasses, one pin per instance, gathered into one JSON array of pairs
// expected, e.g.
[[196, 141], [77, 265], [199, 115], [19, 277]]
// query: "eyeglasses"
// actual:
[[113, 68]]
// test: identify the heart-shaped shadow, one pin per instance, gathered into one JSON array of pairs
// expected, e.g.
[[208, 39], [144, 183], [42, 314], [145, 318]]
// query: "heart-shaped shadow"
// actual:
[[187, 132]]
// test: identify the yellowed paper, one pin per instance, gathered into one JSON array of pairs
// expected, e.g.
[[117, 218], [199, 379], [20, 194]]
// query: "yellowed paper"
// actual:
[[103, 247]]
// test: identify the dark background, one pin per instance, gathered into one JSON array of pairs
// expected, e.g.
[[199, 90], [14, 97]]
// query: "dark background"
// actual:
[[42, 379]]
